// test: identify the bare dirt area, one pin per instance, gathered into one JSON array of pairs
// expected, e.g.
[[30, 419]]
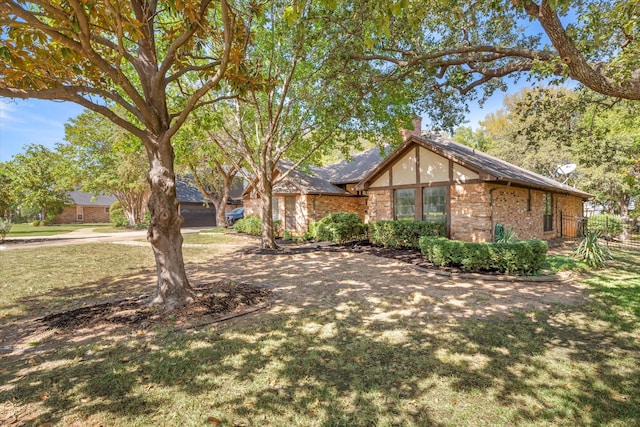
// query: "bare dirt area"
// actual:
[[242, 284]]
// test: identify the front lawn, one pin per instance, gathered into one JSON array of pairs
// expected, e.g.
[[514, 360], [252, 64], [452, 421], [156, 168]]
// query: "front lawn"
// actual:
[[28, 230], [358, 363]]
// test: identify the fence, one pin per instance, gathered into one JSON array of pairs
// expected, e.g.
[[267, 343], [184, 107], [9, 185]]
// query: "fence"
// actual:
[[615, 231]]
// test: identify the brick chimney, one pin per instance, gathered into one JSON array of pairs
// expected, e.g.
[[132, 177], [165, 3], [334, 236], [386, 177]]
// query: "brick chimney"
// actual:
[[417, 128]]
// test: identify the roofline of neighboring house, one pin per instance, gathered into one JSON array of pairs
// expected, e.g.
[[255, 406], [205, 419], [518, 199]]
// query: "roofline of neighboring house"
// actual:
[[484, 175]]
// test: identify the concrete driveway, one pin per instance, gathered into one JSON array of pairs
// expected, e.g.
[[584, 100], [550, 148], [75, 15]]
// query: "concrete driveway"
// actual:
[[85, 235]]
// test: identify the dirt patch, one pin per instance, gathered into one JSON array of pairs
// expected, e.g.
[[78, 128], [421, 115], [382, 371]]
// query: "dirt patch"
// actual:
[[375, 282]]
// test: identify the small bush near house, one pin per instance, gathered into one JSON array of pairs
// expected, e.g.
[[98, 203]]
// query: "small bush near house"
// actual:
[[252, 225], [117, 216], [608, 226], [340, 227], [591, 252], [5, 228], [403, 234], [523, 257], [503, 235]]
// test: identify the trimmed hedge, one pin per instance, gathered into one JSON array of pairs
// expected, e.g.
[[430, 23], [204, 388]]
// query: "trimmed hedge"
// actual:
[[522, 257], [403, 234], [340, 227]]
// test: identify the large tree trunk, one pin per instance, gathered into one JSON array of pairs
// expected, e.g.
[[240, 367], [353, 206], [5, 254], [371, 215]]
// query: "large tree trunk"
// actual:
[[164, 234]]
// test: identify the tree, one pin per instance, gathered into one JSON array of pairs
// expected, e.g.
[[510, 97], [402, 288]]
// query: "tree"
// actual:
[[531, 132], [459, 49], [106, 158], [478, 139], [35, 176], [306, 95], [206, 164], [6, 193], [156, 60]]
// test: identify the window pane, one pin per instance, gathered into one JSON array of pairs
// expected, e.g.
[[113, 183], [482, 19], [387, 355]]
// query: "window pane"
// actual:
[[405, 204], [434, 204]]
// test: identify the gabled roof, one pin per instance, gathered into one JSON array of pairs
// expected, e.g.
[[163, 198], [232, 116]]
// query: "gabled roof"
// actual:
[[81, 198], [186, 191], [354, 171], [489, 167], [300, 182]]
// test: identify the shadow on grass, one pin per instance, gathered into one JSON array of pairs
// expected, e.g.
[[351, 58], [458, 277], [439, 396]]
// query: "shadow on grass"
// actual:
[[331, 368], [354, 355]]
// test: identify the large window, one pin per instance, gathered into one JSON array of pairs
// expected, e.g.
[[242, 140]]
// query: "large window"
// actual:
[[548, 211], [434, 204], [405, 204]]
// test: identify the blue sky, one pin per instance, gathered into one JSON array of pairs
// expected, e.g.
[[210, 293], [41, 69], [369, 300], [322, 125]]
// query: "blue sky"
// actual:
[[32, 122], [42, 122]]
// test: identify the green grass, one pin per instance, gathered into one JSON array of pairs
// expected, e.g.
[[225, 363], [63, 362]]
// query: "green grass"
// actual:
[[207, 239], [28, 230], [333, 366]]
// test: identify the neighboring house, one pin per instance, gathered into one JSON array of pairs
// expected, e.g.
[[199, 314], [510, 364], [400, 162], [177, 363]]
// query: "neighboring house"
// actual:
[[432, 179], [86, 208], [198, 211], [195, 209]]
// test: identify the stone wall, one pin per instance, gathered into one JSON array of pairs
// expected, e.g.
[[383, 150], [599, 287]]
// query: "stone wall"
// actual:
[[320, 206], [520, 209], [379, 205], [470, 212]]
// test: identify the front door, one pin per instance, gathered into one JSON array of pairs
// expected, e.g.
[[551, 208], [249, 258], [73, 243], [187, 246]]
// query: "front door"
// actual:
[[290, 213]]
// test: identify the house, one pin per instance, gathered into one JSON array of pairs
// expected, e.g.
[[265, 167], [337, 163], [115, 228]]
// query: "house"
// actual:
[[301, 198], [194, 208], [86, 208], [198, 211], [430, 178]]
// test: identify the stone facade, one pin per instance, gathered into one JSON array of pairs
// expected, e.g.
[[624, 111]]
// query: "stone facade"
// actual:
[[83, 214], [379, 206], [470, 212]]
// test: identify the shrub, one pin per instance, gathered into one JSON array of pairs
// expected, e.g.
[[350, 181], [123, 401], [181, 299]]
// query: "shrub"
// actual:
[[286, 235], [606, 225], [5, 228], [403, 234], [504, 236], [117, 216], [340, 227], [591, 252], [522, 257], [251, 225]]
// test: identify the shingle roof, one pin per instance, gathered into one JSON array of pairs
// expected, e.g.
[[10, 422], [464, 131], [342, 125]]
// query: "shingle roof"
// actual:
[[498, 169], [300, 182], [349, 172], [81, 198], [186, 192]]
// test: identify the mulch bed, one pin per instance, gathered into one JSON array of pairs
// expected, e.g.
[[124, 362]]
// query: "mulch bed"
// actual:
[[410, 256], [216, 301]]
